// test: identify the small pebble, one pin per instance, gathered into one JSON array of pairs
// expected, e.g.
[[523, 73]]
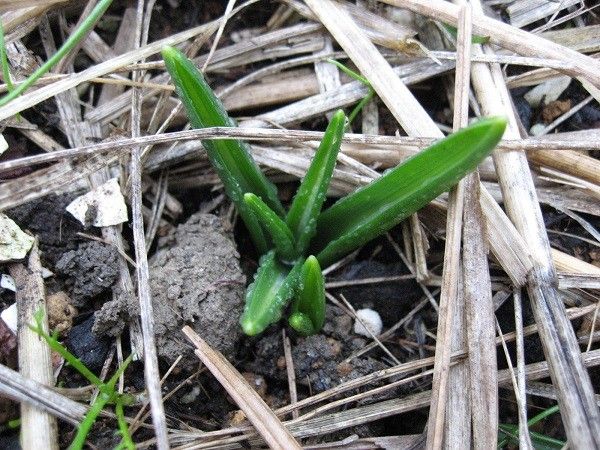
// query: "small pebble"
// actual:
[[371, 320], [86, 346], [9, 315]]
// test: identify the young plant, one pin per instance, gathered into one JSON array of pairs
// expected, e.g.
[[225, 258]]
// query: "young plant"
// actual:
[[296, 245], [107, 392]]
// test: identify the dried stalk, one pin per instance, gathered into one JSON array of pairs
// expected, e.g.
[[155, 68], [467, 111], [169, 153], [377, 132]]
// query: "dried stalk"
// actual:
[[450, 324], [38, 428], [151, 371], [256, 410], [580, 414], [509, 37]]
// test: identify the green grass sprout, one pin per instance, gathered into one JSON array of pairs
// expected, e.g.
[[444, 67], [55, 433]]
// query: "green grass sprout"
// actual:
[[4, 61], [475, 39], [539, 441], [107, 392], [295, 248], [67, 46], [358, 77]]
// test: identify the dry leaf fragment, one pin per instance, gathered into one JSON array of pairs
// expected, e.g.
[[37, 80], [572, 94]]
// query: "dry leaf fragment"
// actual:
[[101, 207]]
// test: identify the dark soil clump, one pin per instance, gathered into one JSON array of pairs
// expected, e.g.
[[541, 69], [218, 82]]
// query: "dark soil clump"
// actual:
[[92, 269], [196, 279]]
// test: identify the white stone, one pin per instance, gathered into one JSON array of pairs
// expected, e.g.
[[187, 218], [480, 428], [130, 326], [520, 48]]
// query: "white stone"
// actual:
[[9, 316], [14, 243], [101, 207], [7, 282], [371, 319]]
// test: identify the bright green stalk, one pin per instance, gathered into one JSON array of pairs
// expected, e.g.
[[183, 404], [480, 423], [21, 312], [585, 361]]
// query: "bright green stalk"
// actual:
[[281, 235], [4, 61], [230, 157], [273, 286], [308, 308], [374, 209], [89, 420], [307, 204], [68, 45], [53, 343], [358, 77], [126, 441]]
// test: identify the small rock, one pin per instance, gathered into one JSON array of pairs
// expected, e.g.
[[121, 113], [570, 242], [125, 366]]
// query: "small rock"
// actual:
[[537, 129], [86, 346], [101, 207], [9, 316], [555, 109], [371, 323], [7, 282], [92, 270], [14, 243], [60, 312]]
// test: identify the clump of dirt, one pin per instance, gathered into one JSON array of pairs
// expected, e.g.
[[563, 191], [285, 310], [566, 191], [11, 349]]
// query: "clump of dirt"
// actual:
[[60, 312], [195, 279], [91, 269], [319, 360]]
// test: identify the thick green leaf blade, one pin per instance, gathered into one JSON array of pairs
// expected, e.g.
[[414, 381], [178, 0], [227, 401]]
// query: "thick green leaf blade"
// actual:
[[307, 204], [230, 157], [308, 309], [281, 235], [370, 211], [273, 286]]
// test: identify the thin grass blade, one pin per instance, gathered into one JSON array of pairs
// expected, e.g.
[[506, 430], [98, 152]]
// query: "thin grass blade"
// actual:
[[370, 211], [307, 204]]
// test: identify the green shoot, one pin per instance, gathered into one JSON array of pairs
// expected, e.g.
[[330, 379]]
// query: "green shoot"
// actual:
[[230, 157], [474, 38], [540, 441], [358, 77], [372, 210], [273, 285], [282, 237], [53, 343], [67, 46], [306, 207], [4, 61], [107, 393], [308, 308], [288, 271]]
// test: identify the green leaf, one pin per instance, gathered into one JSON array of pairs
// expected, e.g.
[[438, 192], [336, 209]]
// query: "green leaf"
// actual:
[[274, 285], [230, 157], [281, 235], [374, 209], [474, 38], [308, 308], [307, 204]]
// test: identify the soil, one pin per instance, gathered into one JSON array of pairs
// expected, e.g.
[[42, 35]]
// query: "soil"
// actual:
[[92, 269], [195, 279], [47, 219]]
